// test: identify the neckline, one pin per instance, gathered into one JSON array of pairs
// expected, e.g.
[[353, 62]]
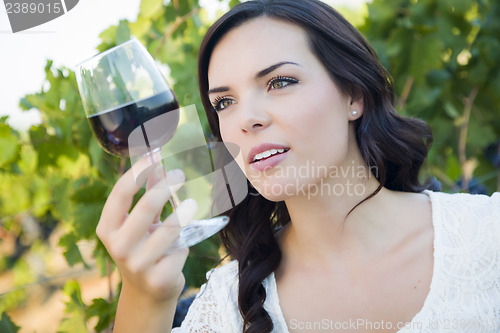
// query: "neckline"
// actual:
[[428, 299]]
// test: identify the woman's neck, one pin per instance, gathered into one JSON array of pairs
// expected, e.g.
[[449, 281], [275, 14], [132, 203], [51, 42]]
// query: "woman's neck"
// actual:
[[323, 225]]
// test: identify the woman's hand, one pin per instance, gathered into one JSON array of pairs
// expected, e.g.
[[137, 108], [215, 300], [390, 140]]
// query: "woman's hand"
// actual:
[[137, 242]]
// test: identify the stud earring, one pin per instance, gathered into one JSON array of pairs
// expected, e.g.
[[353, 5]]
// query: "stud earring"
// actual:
[[354, 113]]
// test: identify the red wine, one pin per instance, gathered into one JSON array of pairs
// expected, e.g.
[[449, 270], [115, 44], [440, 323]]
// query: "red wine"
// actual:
[[136, 128]]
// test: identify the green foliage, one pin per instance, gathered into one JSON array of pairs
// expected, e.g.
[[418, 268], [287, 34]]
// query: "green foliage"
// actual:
[[75, 321], [8, 142], [442, 54], [78, 313], [6, 325], [104, 311]]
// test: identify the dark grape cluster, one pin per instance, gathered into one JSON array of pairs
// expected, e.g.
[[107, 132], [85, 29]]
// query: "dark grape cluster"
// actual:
[[181, 310]]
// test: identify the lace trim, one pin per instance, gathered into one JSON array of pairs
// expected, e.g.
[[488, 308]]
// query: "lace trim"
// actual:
[[215, 308]]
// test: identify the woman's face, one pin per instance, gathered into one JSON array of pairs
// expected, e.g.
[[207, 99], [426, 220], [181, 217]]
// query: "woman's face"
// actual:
[[274, 97]]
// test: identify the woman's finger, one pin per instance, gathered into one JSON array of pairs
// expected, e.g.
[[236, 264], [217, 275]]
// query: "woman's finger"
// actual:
[[165, 277], [158, 174], [120, 199], [144, 212], [156, 245], [182, 217]]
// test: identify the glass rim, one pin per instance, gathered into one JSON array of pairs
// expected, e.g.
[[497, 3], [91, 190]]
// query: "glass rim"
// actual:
[[105, 52]]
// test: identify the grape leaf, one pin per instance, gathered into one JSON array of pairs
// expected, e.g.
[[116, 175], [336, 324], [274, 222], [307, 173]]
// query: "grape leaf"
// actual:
[[8, 144], [151, 8], [122, 32], [104, 311], [6, 324], [75, 322], [71, 251]]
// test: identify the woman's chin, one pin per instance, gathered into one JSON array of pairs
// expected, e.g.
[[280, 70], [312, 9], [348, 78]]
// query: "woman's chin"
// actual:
[[275, 193]]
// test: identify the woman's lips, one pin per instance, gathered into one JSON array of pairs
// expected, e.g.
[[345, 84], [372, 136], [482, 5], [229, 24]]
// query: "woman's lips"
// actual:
[[269, 162], [263, 148]]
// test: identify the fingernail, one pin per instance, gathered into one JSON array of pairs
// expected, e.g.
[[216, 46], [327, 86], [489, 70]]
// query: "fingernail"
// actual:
[[156, 156], [191, 203], [159, 171], [152, 158], [175, 176]]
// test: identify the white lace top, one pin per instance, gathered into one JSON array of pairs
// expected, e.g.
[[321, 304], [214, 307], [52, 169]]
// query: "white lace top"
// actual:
[[464, 294]]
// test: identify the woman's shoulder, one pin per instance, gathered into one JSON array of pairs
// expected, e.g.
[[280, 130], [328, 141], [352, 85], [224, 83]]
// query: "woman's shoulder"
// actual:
[[224, 272], [467, 206], [468, 222], [465, 197], [222, 281], [466, 278], [215, 307]]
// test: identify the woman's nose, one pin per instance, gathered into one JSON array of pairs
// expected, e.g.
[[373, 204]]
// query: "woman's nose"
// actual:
[[254, 116]]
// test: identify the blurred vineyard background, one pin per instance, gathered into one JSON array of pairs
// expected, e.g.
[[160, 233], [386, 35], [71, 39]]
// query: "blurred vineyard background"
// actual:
[[444, 58]]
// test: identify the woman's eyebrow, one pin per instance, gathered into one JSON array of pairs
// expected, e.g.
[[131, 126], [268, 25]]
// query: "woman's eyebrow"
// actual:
[[218, 90], [260, 74], [272, 68]]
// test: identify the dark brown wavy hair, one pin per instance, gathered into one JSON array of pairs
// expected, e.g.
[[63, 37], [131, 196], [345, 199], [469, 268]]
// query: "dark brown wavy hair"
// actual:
[[393, 145]]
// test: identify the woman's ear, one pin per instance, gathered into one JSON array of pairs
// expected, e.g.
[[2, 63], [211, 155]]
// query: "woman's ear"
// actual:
[[356, 105]]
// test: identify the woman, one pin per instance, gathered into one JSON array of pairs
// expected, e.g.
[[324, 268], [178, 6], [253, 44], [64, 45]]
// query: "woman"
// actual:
[[337, 233]]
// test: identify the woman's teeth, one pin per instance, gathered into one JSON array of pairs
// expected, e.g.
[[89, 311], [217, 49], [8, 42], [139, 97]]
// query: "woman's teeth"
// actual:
[[267, 153]]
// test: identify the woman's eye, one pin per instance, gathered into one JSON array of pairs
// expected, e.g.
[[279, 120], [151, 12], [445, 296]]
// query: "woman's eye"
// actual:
[[221, 103], [280, 82]]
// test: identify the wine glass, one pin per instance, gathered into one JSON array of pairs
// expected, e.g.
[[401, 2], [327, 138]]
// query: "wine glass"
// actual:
[[134, 113]]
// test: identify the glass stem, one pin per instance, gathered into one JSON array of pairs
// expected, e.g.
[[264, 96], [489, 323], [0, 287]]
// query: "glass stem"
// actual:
[[174, 200]]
